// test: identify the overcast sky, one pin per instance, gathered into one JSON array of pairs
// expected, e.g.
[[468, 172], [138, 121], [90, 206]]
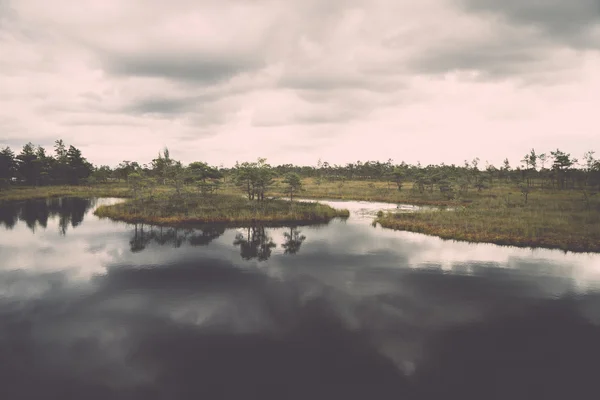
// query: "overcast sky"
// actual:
[[298, 80]]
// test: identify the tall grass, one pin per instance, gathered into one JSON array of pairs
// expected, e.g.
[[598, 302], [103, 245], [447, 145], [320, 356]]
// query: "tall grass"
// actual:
[[560, 219]]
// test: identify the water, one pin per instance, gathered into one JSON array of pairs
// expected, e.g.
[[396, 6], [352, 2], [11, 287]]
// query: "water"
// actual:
[[96, 309]]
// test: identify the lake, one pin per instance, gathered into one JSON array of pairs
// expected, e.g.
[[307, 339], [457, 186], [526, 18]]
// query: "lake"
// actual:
[[95, 309]]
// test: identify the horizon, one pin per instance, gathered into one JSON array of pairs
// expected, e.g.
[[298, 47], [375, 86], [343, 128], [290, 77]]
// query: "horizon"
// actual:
[[482, 163]]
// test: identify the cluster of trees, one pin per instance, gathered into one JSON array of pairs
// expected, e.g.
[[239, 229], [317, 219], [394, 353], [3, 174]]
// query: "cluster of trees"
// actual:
[[33, 166], [555, 169]]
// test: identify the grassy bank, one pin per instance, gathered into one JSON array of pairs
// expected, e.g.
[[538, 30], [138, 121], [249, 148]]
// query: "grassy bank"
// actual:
[[45, 192], [560, 220], [232, 209]]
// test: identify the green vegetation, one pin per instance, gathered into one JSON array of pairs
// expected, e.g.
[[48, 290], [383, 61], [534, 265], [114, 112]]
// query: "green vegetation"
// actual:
[[189, 209], [44, 192], [541, 218], [549, 200]]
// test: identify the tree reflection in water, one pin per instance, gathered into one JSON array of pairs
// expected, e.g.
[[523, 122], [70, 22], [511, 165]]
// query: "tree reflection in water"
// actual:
[[34, 213], [143, 235], [255, 244], [293, 240]]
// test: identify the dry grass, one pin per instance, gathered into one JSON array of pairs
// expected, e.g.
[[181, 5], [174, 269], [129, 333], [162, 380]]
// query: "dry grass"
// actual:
[[560, 220], [193, 209]]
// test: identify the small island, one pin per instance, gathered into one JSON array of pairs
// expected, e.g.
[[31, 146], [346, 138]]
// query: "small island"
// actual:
[[230, 209]]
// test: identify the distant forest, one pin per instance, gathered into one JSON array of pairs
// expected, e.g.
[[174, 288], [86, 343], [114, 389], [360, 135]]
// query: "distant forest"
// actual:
[[555, 169]]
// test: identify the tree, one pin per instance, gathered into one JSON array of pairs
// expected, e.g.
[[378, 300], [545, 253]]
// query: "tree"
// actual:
[[561, 164], [28, 164], [125, 168], [532, 163], [177, 175], [46, 164], [162, 166], [201, 171], [255, 178], [102, 173], [79, 167], [589, 160], [398, 175], [245, 177], [8, 165], [60, 171], [293, 184], [264, 178], [543, 158], [505, 169]]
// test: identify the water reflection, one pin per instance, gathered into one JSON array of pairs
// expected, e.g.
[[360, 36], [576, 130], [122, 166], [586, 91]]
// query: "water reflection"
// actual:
[[357, 313], [174, 237], [293, 240], [35, 213], [255, 243]]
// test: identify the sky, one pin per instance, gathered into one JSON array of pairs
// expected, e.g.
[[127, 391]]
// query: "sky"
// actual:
[[296, 81]]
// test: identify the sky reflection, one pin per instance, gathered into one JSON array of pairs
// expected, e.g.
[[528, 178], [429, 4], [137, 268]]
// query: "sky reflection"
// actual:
[[354, 312]]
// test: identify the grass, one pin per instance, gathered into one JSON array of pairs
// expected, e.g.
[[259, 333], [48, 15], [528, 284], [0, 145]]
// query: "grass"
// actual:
[[550, 219], [232, 209], [364, 191], [44, 192]]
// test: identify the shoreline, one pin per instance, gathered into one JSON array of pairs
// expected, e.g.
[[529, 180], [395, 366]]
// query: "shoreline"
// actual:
[[449, 230], [536, 225]]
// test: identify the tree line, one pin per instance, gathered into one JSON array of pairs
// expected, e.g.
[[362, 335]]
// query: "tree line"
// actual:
[[555, 169], [34, 167]]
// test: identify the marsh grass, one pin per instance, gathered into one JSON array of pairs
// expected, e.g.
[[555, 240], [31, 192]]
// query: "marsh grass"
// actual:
[[364, 191], [232, 209], [560, 219], [44, 192]]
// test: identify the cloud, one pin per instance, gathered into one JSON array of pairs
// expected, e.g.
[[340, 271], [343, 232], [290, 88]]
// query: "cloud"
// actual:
[[206, 69], [227, 81], [569, 22]]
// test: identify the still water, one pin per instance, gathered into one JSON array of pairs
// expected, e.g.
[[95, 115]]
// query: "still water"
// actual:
[[95, 309]]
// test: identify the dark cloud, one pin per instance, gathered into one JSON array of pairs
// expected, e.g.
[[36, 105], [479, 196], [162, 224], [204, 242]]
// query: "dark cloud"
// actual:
[[161, 106], [323, 81], [205, 69], [496, 60], [523, 46], [567, 21]]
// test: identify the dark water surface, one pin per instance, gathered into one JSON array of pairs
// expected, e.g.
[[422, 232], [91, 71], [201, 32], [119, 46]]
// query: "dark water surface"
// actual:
[[94, 309]]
